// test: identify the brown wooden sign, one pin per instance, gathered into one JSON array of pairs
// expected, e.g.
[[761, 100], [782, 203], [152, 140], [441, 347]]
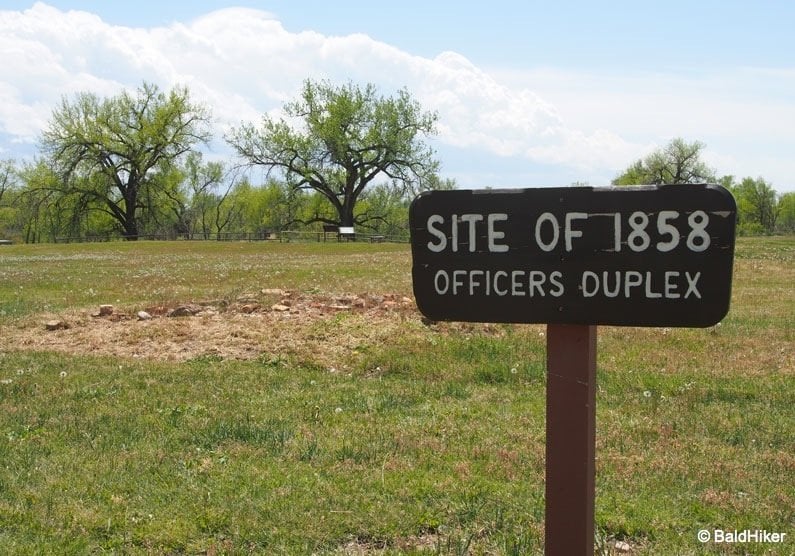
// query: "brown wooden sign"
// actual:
[[634, 256]]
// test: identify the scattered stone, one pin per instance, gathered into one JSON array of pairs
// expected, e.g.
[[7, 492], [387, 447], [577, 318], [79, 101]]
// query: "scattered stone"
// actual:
[[406, 300], [338, 307], [280, 308], [274, 291], [249, 308], [623, 547], [105, 310], [56, 325], [184, 311], [143, 315]]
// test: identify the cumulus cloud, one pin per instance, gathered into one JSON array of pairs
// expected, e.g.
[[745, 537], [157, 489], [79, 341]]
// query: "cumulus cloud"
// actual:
[[243, 63]]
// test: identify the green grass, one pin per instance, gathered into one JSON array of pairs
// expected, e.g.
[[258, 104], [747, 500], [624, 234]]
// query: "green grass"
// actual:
[[432, 443], [37, 278]]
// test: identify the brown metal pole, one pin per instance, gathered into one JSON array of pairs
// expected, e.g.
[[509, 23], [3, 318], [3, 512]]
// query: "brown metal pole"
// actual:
[[571, 440]]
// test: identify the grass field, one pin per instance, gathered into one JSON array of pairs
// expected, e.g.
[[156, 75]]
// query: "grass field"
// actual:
[[342, 424]]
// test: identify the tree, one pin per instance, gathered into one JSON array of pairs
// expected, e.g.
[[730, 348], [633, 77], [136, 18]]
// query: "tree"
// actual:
[[757, 206], [271, 207], [227, 211], [677, 162], [786, 213], [8, 179], [197, 201], [8, 194], [389, 208], [38, 202], [348, 137], [110, 153]]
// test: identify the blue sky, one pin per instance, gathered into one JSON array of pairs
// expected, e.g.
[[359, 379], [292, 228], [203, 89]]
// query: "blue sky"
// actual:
[[528, 93], [678, 35]]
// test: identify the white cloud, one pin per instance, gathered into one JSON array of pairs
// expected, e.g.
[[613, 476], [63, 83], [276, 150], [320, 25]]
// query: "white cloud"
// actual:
[[243, 63], [743, 115]]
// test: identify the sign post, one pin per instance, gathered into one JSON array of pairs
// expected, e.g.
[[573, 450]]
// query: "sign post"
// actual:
[[573, 258], [571, 439]]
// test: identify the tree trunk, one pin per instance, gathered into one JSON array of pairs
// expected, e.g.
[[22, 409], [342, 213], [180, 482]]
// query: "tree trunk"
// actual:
[[346, 212], [130, 226], [130, 230], [130, 223]]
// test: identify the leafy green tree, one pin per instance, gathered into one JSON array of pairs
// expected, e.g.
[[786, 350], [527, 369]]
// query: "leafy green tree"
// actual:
[[757, 206], [315, 209], [284, 205], [386, 208], [196, 200], [110, 154], [255, 205], [38, 203], [271, 207], [677, 162], [227, 208], [8, 196], [168, 212], [8, 178], [786, 213], [348, 138]]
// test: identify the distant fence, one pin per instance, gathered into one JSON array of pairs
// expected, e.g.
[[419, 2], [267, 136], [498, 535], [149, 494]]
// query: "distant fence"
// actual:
[[282, 236], [170, 237]]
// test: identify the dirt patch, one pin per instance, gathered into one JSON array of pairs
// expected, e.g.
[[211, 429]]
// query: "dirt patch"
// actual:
[[277, 323], [363, 546]]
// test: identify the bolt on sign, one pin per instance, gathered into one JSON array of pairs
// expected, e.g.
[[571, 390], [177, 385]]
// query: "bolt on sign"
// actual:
[[634, 256]]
